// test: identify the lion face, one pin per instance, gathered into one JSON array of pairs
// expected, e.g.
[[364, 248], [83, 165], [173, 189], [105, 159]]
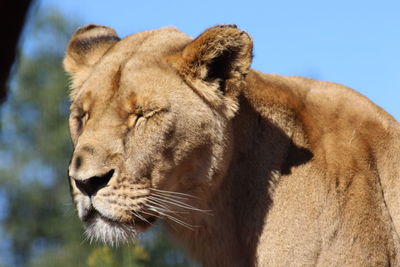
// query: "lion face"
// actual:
[[150, 123]]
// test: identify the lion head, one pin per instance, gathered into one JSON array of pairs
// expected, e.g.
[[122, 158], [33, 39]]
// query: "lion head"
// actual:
[[150, 123]]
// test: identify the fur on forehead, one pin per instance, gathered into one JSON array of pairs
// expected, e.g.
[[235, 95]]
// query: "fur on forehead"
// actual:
[[214, 64]]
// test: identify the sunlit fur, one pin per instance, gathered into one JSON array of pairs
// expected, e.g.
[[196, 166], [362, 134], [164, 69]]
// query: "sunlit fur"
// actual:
[[243, 168], [109, 232]]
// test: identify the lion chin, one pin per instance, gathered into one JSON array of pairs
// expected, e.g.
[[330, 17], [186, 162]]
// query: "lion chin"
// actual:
[[102, 229], [109, 232]]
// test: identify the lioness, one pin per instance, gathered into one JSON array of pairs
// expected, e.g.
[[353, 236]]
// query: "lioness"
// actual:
[[244, 168]]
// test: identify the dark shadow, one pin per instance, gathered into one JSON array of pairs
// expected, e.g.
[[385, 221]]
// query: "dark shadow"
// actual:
[[261, 150], [296, 156]]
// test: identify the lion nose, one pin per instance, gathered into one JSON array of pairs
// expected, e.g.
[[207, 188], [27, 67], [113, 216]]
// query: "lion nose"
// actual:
[[93, 184]]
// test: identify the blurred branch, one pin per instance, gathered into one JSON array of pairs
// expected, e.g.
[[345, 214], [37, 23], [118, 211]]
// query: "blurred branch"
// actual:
[[12, 18]]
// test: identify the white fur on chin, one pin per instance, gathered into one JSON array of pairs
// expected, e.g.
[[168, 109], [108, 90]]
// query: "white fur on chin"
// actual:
[[108, 232]]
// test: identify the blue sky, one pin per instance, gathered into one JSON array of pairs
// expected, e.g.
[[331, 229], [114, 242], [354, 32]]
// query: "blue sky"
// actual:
[[351, 42]]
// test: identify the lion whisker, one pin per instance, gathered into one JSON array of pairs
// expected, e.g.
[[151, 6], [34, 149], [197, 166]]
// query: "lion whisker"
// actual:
[[176, 220], [170, 196], [169, 214], [167, 201], [172, 193], [161, 205], [140, 216], [151, 214], [177, 203]]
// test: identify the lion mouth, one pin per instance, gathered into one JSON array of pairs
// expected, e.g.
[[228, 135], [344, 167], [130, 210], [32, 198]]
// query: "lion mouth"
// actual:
[[140, 221]]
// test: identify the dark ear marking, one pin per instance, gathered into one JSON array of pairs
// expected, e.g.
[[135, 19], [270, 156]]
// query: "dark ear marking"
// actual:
[[220, 67], [86, 47], [83, 46], [219, 53]]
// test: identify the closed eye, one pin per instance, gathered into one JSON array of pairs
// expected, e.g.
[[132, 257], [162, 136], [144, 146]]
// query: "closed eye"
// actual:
[[141, 115], [133, 119], [84, 118], [77, 121], [75, 126]]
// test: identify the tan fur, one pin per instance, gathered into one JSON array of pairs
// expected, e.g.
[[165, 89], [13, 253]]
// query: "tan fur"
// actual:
[[267, 170]]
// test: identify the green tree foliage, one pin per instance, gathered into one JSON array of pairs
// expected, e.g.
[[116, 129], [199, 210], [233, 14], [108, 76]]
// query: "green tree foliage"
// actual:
[[38, 220]]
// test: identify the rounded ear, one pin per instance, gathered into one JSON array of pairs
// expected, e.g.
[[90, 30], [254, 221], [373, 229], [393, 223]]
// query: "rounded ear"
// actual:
[[221, 52], [215, 64], [87, 45]]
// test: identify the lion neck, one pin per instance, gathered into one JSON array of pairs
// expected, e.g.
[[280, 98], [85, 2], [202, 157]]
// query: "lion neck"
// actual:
[[240, 205]]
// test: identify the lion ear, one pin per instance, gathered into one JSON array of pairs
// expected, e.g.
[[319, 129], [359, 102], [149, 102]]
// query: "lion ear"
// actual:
[[87, 45], [215, 64], [220, 53]]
